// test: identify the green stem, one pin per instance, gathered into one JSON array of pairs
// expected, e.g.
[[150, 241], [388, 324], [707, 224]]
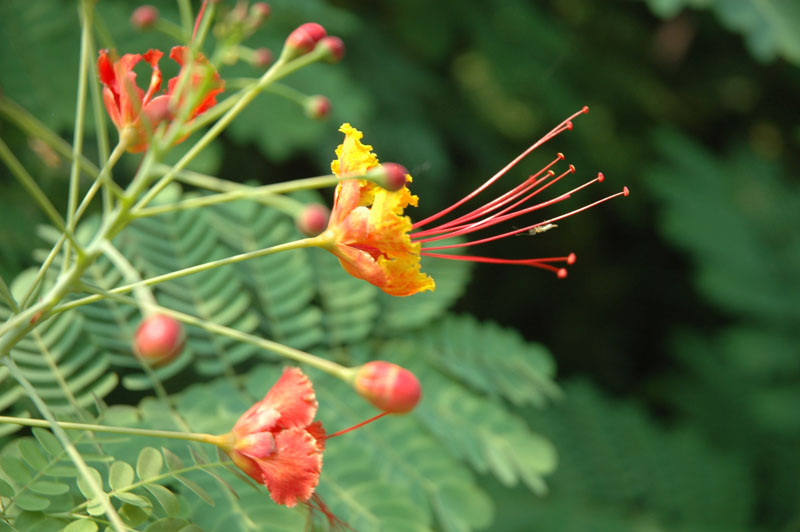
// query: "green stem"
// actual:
[[289, 93], [173, 435], [103, 147], [51, 423], [278, 70], [185, 10], [8, 296], [102, 175], [33, 127], [332, 368], [141, 291], [27, 181], [297, 244], [80, 113]]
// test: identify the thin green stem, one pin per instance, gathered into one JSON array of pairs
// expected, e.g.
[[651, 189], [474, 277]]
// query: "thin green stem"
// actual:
[[233, 191], [289, 93], [185, 10], [103, 178], [27, 181], [33, 127], [8, 296], [80, 114], [278, 70], [103, 174], [103, 147], [169, 434], [141, 291], [297, 244], [330, 367], [51, 423]]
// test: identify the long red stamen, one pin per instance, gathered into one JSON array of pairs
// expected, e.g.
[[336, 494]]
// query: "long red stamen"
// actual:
[[532, 181], [563, 126], [536, 263], [354, 427], [525, 229]]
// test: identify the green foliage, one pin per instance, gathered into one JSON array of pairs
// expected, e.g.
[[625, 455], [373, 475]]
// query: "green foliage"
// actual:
[[770, 28], [620, 468], [746, 264]]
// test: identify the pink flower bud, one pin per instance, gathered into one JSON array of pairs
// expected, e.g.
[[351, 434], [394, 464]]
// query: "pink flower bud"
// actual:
[[313, 220], [389, 176], [159, 339], [388, 386], [335, 48], [261, 10], [304, 38], [144, 17], [318, 107], [262, 57]]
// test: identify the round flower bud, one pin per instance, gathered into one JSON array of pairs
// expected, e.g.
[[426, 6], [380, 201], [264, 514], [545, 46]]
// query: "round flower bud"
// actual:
[[335, 48], [318, 107], [313, 220], [262, 57], [144, 17], [391, 176], [304, 38], [158, 340], [261, 10], [388, 386]]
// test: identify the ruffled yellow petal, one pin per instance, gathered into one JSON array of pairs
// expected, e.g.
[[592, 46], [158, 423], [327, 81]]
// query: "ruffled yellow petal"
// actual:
[[369, 228]]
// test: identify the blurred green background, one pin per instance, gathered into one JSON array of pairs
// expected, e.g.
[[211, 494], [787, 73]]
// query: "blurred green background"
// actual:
[[676, 332]]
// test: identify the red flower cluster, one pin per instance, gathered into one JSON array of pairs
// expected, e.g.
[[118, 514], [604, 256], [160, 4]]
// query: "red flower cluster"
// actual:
[[136, 112]]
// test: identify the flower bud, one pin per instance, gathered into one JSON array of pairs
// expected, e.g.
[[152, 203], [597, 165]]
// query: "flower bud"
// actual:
[[391, 176], [158, 340], [318, 107], [313, 220], [303, 39], [262, 57], [144, 17], [261, 11], [335, 48], [388, 386]]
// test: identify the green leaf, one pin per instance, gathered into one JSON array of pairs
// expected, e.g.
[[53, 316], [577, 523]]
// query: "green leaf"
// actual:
[[48, 442], [168, 524], [32, 454], [165, 497], [149, 464], [134, 500], [134, 515], [81, 525], [84, 486], [46, 487], [6, 490], [196, 489], [174, 462], [31, 502], [15, 469], [120, 476]]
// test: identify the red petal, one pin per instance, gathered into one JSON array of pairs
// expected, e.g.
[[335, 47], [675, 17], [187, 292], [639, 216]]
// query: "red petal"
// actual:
[[259, 418], [318, 432], [293, 397], [105, 71], [153, 57], [292, 473]]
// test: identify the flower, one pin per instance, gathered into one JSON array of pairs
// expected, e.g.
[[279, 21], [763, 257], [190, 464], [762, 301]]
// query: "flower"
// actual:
[[375, 242], [276, 441], [135, 112], [367, 230]]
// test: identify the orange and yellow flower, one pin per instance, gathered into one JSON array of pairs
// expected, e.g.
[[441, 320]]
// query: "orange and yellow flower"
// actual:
[[367, 229], [376, 242], [136, 112]]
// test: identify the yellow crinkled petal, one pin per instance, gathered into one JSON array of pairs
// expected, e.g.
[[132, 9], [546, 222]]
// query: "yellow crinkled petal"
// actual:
[[394, 263]]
